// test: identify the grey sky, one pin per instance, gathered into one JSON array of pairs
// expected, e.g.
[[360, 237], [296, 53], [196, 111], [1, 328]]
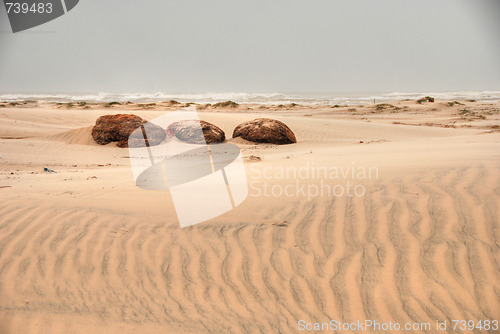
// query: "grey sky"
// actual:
[[257, 46]]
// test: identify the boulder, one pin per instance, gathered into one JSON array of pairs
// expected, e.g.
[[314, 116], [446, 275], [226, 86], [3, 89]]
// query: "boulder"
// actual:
[[265, 130], [118, 128], [189, 131]]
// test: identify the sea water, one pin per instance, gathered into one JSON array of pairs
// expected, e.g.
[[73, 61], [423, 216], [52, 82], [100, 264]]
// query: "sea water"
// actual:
[[257, 98]]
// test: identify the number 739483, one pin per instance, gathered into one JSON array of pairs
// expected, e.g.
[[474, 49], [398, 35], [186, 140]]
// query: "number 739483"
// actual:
[[25, 8]]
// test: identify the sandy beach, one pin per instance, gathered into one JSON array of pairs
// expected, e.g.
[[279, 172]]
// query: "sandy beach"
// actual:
[[417, 240]]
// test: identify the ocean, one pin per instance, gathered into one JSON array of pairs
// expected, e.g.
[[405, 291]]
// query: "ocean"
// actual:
[[264, 98]]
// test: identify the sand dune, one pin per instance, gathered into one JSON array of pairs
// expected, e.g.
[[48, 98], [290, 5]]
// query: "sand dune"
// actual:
[[81, 136], [85, 251]]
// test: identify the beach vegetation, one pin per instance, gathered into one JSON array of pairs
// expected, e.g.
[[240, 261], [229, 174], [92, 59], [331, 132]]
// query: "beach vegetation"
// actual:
[[110, 104], [146, 105], [468, 114], [203, 106], [385, 106], [226, 104]]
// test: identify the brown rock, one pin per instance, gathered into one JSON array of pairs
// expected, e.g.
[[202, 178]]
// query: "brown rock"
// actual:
[[265, 130], [188, 131], [118, 128]]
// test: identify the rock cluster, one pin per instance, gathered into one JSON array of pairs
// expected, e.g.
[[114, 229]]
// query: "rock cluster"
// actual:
[[120, 129]]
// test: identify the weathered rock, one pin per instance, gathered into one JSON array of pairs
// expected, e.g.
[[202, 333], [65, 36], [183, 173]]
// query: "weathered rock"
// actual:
[[265, 130], [189, 131], [155, 135], [118, 128]]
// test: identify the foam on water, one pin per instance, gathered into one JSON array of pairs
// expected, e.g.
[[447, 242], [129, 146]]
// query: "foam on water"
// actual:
[[262, 98]]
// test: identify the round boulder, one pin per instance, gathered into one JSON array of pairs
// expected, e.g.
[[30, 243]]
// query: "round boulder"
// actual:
[[265, 130], [189, 131], [118, 128]]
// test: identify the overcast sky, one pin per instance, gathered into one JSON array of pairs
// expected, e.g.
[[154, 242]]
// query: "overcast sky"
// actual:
[[324, 46]]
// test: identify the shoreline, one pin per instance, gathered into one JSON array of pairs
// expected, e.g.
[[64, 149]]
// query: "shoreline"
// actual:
[[306, 99]]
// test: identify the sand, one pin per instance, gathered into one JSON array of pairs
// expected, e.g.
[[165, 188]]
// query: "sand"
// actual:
[[85, 251]]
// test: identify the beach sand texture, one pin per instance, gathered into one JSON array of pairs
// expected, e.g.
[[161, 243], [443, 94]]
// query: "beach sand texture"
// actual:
[[85, 251]]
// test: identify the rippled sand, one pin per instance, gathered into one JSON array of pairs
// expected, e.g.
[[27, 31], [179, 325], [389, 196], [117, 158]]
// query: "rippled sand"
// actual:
[[85, 251]]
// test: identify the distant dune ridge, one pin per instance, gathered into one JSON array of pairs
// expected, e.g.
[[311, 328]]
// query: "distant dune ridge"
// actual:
[[83, 250], [259, 98]]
